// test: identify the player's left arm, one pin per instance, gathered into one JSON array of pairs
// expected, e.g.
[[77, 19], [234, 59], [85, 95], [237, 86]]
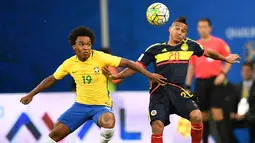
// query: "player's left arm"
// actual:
[[231, 59], [114, 71], [46, 83], [199, 51], [133, 67], [144, 60], [115, 61]]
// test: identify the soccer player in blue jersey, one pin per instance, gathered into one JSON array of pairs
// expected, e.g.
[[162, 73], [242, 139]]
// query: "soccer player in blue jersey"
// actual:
[[171, 60]]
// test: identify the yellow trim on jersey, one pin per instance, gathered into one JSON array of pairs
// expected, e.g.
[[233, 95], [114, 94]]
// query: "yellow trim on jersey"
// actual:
[[176, 55], [154, 45], [185, 40], [149, 117], [196, 42], [164, 50]]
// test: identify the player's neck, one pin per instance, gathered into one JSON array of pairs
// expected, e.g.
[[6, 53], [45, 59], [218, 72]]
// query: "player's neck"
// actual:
[[172, 43], [206, 38], [83, 59]]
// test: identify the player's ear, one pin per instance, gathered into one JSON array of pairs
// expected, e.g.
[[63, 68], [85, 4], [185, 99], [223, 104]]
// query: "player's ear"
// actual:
[[74, 47], [187, 31], [170, 28]]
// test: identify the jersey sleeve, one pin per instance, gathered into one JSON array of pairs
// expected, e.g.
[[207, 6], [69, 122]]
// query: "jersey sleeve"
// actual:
[[146, 58], [61, 71], [198, 49], [110, 60], [224, 48]]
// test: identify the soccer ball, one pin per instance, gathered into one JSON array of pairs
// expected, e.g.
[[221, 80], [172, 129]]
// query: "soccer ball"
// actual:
[[157, 14]]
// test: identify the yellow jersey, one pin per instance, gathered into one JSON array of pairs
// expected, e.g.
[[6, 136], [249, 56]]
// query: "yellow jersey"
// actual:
[[91, 84]]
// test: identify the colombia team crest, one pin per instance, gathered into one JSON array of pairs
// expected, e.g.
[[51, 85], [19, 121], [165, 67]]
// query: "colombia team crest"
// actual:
[[185, 47], [153, 112]]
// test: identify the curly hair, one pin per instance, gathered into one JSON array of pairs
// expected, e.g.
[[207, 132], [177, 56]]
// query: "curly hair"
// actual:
[[81, 31]]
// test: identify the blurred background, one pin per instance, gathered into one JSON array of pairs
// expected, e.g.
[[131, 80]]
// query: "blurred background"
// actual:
[[33, 43]]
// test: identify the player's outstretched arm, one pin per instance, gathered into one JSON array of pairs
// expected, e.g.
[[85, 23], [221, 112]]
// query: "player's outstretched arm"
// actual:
[[190, 75], [46, 83], [133, 68], [121, 75], [125, 73], [232, 58]]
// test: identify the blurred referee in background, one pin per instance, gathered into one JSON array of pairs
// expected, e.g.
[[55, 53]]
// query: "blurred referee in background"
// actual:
[[210, 76]]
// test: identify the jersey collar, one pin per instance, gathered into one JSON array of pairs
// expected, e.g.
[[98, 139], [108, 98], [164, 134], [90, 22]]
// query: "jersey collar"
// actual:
[[91, 55]]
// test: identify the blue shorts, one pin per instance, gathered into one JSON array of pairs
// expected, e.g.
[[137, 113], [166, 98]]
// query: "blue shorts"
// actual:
[[78, 114]]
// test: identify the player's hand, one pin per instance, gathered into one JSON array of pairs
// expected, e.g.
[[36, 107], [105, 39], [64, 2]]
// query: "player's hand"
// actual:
[[232, 115], [188, 91], [233, 58], [219, 79], [108, 74], [239, 117], [26, 99], [157, 78]]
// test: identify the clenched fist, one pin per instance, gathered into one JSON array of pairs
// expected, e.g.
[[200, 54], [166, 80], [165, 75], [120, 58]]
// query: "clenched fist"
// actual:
[[26, 99]]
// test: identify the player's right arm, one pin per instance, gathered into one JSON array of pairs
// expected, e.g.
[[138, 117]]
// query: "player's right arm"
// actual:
[[124, 74], [114, 71], [135, 67], [190, 73], [46, 83], [144, 60]]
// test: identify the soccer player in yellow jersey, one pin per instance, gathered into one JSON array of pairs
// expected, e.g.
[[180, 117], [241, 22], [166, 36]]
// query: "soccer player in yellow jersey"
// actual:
[[93, 100]]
